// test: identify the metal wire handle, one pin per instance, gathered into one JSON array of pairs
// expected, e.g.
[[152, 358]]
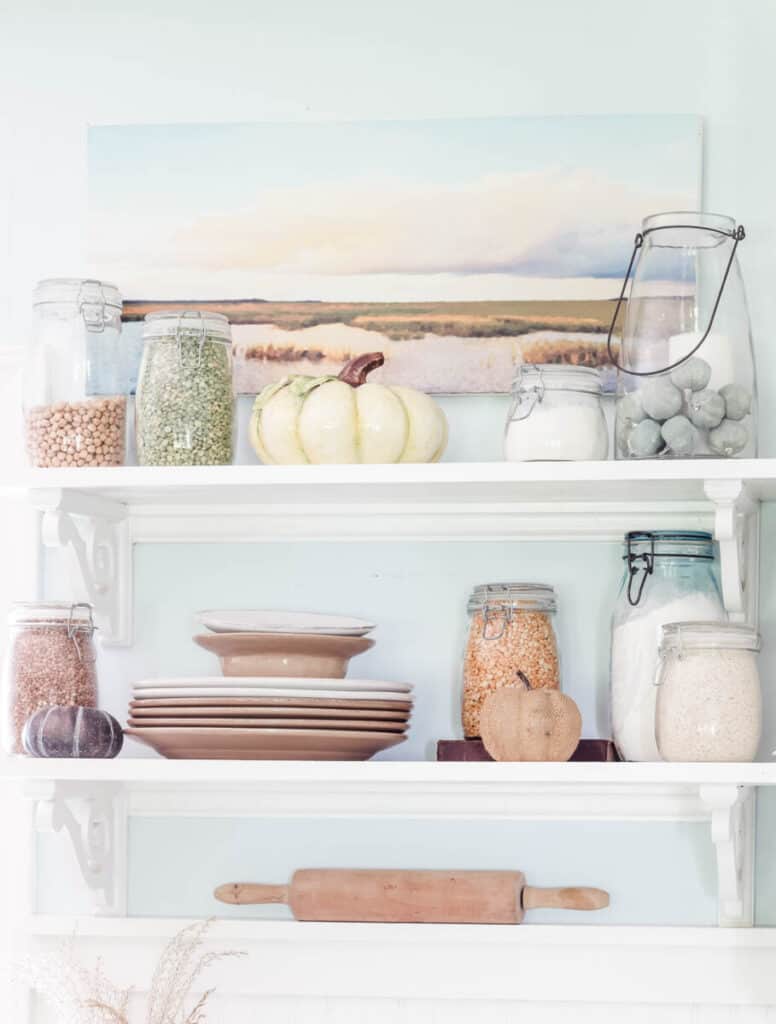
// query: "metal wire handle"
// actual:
[[190, 314], [738, 236], [533, 395], [92, 309], [506, 619], [74, 628]]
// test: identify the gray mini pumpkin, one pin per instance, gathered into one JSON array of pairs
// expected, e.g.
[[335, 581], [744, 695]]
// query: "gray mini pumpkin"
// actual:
[[72, 732]]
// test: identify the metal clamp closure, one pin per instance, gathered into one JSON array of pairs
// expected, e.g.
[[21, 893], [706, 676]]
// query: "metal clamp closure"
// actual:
[[643, 563], [74, 628], [506, 618], [528, 397], [190, 314], [91, 306]]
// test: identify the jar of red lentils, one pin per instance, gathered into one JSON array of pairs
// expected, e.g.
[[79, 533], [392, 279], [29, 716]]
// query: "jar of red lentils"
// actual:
[[511, 642], [50, 659]]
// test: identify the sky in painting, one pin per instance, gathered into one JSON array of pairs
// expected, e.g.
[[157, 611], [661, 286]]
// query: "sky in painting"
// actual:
[[493, 208]]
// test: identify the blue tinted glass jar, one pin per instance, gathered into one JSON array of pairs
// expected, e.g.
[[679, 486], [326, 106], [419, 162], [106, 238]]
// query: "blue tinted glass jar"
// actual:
[[669, 576]]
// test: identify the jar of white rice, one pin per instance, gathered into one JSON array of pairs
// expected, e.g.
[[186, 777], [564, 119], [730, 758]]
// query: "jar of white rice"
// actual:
[[709, 704]]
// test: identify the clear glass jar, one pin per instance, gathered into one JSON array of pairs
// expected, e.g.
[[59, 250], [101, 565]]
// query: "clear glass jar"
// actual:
[[184, 411], [709, 701], [686, 383], [556, 415], [668, 576], [510, 642], [75, 384], [50, 660]]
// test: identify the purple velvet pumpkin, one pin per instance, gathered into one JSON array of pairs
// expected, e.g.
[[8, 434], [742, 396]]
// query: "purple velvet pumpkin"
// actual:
[[72, 732]]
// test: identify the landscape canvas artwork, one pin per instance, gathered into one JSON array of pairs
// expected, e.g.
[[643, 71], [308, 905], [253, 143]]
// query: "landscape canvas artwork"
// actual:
[[458, 248]]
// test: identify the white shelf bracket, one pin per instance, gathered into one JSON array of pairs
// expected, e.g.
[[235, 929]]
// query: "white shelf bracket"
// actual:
[[736, 530], [97, 535], [732, 833], [94, 816]]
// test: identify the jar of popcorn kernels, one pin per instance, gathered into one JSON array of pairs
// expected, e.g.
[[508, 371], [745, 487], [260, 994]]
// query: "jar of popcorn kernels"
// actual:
[[50, 659], [75, 376], [511, 642]]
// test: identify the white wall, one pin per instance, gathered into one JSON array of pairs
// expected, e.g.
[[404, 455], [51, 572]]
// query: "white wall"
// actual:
[[65, 64]]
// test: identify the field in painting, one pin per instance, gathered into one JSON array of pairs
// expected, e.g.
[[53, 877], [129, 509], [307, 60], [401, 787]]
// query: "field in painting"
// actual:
[[438, 346]]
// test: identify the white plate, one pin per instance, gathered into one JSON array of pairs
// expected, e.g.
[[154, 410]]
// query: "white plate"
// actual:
[[259, 621], [273, 683], [249, 691]]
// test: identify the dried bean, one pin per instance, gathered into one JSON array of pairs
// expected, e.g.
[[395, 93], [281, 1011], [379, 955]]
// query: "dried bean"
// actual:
[[526, 650], [185, 402], [45, 666], [88, 433]]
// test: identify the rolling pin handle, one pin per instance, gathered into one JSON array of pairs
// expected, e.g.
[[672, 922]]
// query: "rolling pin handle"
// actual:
[[570, 898], [239, 893]]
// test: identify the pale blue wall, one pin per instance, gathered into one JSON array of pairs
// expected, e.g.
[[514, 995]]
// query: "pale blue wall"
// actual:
[[170, 61], [658, 874]]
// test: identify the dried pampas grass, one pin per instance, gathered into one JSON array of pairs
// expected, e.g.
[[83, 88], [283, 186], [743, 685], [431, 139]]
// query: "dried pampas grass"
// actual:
[[81, 996]]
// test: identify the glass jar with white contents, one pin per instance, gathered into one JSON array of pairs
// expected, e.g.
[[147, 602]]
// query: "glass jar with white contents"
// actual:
[[668, 576], [556, 415], [709, 704]]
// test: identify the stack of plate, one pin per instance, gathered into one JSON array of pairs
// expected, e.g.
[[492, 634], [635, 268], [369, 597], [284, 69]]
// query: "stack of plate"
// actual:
[[274, 643], [278, 718]]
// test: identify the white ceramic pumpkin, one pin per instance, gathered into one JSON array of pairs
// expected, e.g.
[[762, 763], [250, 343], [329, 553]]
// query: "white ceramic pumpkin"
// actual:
[[345, 419]]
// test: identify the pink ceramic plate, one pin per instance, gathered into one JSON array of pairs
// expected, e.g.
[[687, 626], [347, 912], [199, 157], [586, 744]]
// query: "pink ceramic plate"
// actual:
[[359, 724], [306, 702], [140, 710], [266, 744]]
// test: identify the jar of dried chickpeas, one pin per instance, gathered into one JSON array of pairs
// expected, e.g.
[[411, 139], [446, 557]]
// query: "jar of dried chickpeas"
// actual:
[[50, 659], [511, 642]]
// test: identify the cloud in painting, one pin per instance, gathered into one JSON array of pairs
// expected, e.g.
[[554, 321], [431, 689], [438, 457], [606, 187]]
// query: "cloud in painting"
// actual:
[[545, 224]]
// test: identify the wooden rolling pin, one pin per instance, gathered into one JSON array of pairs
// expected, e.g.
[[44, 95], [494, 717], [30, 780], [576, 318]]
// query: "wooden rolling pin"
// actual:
[[429, 897]]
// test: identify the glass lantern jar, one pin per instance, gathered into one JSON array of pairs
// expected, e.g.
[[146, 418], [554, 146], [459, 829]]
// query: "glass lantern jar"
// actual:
[[668, 576], [75, 381], [686, 383], [50, 660], [184, 414], [709, 703], [510, 642], [556, 415]]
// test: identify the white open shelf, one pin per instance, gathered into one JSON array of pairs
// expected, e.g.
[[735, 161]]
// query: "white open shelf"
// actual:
[[532, 962], [372, 775], [632, 481], [93, 800], [98, 514]]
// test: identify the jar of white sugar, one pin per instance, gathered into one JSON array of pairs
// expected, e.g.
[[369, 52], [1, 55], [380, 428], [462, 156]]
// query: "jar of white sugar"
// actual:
[[556, 415], [668, 576], [709, 705]]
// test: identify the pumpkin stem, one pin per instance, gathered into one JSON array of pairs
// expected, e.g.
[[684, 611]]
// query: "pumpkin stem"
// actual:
[[523, 678], [355, 371]]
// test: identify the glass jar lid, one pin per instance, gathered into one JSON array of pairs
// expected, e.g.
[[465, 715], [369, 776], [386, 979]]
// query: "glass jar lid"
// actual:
[[677, 637], [669, 543], [529, 597], [75, 290], [76, 617], [543, 377], [187, 323]]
